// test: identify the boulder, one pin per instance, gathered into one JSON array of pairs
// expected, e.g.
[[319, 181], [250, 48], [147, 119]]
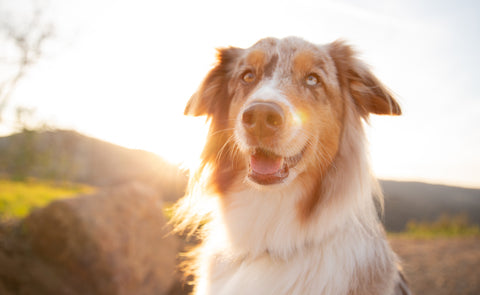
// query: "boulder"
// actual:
[[114, 242]]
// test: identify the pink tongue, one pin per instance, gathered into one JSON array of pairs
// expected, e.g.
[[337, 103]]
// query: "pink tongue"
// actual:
[[265, 164]]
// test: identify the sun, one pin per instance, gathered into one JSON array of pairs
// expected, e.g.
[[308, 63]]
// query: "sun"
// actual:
[[184, 142]]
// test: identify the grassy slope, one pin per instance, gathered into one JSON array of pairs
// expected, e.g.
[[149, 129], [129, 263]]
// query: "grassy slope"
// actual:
[[18, 198]]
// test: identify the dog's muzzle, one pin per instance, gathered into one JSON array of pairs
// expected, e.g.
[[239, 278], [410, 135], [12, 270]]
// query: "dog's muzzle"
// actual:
[[263, 123]]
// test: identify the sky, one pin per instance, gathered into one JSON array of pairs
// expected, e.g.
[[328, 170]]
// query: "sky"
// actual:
[[122, 71]]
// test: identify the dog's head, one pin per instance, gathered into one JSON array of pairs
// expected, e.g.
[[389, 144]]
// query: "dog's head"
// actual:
[[277, 109]]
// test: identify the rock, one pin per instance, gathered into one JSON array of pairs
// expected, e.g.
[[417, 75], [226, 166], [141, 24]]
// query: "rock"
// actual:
[[114, 242]]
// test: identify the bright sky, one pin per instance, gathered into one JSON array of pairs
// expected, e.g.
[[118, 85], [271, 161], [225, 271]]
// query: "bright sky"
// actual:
[[122, 71]]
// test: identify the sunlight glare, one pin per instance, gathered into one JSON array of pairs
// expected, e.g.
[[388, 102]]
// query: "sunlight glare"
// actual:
[[187, 141]]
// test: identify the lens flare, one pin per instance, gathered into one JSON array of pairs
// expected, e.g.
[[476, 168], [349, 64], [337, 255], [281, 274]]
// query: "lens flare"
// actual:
[[299, 117]]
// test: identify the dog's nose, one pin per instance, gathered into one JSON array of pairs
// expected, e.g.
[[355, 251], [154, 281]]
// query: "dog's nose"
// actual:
[[263, 119]]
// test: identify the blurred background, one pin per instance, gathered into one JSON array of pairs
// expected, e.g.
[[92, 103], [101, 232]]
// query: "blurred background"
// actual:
[[91, 103]]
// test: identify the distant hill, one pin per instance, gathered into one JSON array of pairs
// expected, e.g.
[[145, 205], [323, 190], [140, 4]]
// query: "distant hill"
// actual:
[[405, 201], [68, 155]]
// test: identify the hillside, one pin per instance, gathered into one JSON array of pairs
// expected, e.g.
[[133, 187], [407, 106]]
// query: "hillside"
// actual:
[[68, 155], [406, 201]]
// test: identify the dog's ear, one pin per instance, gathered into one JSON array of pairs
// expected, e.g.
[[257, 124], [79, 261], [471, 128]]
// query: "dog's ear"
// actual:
[[214, 90], [368, 93]]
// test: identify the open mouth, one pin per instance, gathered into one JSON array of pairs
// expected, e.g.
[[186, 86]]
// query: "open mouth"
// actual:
[[269, 168]]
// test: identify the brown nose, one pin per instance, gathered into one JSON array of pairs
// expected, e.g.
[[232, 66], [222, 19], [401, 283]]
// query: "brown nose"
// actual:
[[263, 119]]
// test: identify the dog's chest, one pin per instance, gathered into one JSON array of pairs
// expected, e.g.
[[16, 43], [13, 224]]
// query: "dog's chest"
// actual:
[[257, 247], [313, 271]]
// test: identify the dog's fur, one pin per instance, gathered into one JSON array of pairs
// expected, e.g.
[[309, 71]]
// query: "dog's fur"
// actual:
[[284, 199]]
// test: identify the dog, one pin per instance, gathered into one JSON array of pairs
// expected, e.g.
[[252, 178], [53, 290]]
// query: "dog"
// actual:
[[284, 200]]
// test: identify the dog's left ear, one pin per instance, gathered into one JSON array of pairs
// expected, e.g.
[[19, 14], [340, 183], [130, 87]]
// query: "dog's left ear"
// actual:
[[213, 92], [368, 93]]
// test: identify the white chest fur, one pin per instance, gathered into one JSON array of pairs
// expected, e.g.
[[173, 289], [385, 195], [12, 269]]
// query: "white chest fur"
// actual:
[[256, 245]]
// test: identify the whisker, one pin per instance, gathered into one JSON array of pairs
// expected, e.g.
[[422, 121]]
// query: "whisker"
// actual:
[[222, 149], [221, 130]]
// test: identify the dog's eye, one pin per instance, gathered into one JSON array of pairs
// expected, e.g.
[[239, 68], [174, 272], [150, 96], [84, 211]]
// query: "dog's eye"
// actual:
[[248, 77], [312, 80]]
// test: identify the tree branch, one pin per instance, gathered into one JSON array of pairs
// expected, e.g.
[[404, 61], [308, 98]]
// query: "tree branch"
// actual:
[[29, 42]]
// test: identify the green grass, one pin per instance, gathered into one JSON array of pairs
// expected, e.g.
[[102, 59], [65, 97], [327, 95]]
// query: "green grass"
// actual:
[[18, 198], [444, 226]]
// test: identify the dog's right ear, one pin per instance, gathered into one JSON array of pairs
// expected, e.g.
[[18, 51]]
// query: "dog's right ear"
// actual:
[[214, 89]]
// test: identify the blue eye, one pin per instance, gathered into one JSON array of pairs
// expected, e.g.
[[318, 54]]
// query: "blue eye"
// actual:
[[312, 79]]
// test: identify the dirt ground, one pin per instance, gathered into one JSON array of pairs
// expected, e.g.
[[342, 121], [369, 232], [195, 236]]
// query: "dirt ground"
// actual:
[[440, 266]]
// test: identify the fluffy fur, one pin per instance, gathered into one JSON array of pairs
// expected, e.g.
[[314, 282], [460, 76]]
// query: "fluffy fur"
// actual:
[[284, 200]]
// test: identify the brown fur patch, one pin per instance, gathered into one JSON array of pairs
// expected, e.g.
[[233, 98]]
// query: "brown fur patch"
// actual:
[[324, 120], [256, 58], [270, 66], [303, 62], [213, 99]]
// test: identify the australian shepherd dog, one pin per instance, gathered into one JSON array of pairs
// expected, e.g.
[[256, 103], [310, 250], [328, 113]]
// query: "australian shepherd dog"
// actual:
[[284, 201]]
